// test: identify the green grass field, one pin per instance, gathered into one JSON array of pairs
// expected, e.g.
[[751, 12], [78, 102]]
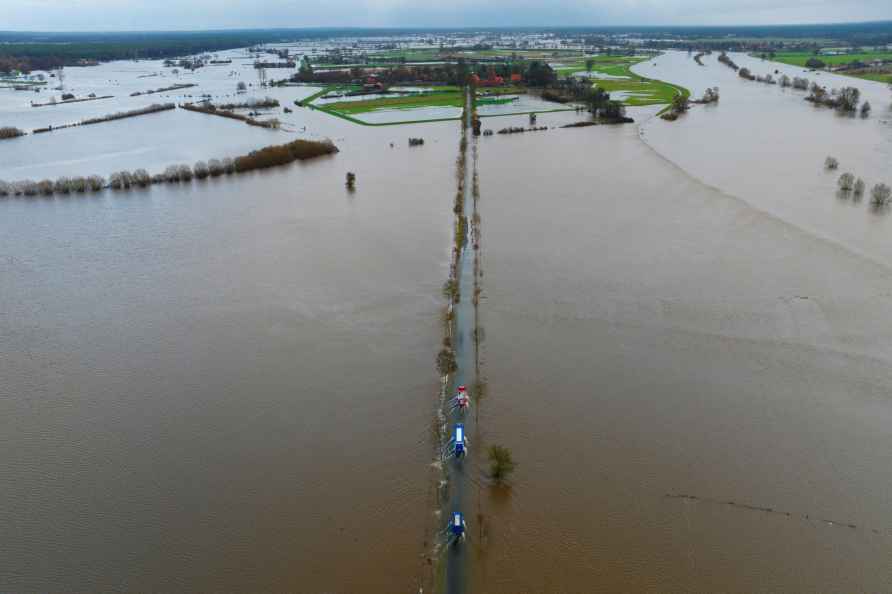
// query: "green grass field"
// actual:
[[644, 91], [443, 99], [800, 58]]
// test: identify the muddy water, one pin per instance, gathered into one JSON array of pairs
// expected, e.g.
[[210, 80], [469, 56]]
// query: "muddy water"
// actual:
[[767, 145], [649, 337], [227, 386]]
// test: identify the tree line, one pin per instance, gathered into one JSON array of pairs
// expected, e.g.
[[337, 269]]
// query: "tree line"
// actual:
[[270, 156]]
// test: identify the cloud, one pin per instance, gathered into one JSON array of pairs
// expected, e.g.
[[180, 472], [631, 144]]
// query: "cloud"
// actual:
[[208, 14]]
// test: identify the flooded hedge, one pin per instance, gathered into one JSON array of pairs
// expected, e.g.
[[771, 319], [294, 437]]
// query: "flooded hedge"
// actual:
[[270, 156], [10, 132], [120, 115], [213, 110]]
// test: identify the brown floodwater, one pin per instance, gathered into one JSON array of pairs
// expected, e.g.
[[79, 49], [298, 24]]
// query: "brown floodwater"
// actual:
[[227, 386], [696, 392]]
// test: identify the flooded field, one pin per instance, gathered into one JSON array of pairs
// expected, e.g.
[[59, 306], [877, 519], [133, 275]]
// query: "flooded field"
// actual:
[[697, 392], [225, 386], [766, 145], [229, 385]]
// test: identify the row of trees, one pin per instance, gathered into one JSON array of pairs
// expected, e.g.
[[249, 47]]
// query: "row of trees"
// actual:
[[122, 180], [47, 187], [535, 73]]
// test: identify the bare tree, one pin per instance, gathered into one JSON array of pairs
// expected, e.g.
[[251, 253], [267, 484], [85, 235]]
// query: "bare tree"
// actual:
[[215, 167], [141, 178], [172, 173], [95, 183], [201, 170]]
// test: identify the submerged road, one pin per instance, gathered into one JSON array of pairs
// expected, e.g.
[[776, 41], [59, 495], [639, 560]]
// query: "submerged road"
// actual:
[[460, 473]]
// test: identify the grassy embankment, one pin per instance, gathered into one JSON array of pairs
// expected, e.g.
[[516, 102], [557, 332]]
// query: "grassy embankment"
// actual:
[[641, 90], [800, 58]]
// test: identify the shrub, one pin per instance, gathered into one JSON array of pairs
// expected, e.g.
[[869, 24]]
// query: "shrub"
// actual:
[[501, 463], [846, 182], [831, 163], [880, 194], [800, 83], [865, 109], [785, 81], [283, 154]]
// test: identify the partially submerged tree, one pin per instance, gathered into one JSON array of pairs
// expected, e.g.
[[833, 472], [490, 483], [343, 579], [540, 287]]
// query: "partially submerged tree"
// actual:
[[831, 163], [501, 463], [201, 170], [847, 99], [846, 182], [859, 187], [865, 109], [880, 194]]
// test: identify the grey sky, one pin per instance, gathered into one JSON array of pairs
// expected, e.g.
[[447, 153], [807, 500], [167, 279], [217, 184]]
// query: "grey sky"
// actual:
[[68, 15]]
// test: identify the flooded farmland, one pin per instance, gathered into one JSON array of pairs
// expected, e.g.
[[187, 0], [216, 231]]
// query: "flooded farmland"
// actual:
[[225, 386], [230, 385], [697, 391]]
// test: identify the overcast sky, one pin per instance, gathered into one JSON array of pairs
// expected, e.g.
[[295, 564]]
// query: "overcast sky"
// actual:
[[70, 15]]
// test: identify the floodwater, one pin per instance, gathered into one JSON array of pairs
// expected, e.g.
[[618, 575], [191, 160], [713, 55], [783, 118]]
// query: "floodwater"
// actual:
[[697, 392], [229, 385], [766, 145], [225, 386]]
